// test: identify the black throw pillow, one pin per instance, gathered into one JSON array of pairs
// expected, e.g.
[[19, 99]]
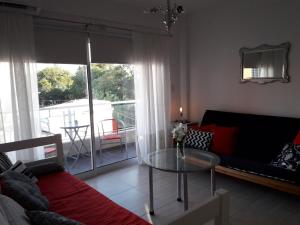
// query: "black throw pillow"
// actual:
[[198, 139], [45, 168], [49, 218], [25, 194], [289, 158]]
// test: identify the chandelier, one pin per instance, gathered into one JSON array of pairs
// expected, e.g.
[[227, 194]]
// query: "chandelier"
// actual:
[[168, 15]]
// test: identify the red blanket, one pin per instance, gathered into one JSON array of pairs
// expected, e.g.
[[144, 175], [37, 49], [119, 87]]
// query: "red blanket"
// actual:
[[75, 199]]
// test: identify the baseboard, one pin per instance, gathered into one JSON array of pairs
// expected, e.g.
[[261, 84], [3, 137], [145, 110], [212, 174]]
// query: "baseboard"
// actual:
[[265, 181]]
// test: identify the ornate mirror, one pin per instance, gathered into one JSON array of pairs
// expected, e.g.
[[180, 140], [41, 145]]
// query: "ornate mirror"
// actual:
[[265, 63]]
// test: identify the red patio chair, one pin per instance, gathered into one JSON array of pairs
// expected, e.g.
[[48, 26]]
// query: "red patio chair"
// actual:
[[109, 133]]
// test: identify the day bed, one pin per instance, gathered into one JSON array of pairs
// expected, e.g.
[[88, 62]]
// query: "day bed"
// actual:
[[259, 140], [73, 198]]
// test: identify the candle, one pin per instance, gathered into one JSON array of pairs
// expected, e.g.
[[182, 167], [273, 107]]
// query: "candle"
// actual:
[[181, 114]]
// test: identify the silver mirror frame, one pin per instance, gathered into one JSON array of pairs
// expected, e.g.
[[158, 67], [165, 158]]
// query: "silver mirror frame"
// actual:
[[265, 47]]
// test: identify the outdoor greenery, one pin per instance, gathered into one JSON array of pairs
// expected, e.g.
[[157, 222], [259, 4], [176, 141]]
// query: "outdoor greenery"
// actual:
[[112, 82]]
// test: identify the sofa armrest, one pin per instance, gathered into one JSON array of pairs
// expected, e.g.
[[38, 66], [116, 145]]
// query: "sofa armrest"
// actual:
[[216, 208]]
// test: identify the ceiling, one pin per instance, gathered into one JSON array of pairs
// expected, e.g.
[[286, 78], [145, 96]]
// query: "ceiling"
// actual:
[[190, 5]]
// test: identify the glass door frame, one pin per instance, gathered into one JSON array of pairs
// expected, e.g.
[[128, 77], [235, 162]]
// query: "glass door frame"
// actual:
[[95, 170]]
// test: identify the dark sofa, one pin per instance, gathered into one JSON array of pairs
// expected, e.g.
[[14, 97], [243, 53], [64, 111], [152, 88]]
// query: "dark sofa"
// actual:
[[260, 139]]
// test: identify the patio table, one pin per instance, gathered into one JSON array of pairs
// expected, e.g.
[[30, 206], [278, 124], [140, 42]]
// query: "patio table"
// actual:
[[76, 150]]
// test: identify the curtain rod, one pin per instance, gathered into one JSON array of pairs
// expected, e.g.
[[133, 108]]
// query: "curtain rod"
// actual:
[[85, 23], [104, 33], [100, 25]]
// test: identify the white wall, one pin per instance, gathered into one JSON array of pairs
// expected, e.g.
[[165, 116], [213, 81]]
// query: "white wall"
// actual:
[[215, 37]]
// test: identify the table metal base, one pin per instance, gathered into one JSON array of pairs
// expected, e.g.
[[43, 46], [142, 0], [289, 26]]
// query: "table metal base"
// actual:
[[185, 188], [151, 210], [179, 187]]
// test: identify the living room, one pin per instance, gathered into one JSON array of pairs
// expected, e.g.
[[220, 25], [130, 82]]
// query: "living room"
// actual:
[[194, 75]]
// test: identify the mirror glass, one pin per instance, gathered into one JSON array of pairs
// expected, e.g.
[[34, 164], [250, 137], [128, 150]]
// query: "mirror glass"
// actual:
[[265, 63]]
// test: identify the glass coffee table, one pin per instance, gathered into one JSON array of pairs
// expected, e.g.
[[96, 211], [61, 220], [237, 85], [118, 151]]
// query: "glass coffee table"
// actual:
[[172, 160]]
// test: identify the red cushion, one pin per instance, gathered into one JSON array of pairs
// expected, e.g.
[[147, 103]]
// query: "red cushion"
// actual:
[[75, 199], [204, 128], [297, 139], [224, 139], [111, 137]]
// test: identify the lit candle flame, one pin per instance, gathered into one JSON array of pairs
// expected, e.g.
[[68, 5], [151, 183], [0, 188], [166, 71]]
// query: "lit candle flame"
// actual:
[[180, 109]]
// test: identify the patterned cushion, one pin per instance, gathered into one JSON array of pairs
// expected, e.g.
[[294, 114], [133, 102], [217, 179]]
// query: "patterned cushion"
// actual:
[[5, 162], [289, 158], [21, 168], [198, 139], [49, 218]]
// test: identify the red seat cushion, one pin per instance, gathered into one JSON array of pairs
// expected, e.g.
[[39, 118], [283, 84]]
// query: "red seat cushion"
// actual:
[[111, 137], [75, 199], [50, 150], [297, 139], [224, 139]]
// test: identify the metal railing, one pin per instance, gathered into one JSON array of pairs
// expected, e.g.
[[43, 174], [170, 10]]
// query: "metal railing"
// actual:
[[52, 118], [56, 116]]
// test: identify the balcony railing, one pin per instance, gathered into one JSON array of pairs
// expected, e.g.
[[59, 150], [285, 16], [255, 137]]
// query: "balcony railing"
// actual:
[[52, 118]]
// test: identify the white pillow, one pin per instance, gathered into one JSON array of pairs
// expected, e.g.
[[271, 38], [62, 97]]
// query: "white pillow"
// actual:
[[11, 213]]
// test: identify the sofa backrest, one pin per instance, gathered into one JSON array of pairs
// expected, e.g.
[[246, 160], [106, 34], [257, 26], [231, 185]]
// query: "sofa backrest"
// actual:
[[261, 137]]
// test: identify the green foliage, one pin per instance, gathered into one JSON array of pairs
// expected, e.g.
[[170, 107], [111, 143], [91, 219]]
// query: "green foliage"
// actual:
[[54, 84], [115, 85], [109, 82]]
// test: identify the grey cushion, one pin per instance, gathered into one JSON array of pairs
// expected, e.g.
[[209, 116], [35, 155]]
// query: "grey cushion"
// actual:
[[25, 194], [45, 168], [13, 175], [49, 218], [11, 213]]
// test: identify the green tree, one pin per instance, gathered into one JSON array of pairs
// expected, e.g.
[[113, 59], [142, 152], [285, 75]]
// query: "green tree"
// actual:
[[79, 88], [54, 84], [113, 83], [109, 82]]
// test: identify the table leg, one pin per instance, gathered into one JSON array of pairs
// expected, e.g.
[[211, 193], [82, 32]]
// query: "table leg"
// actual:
[[213, 181], [185, 190], [151, 190], [179, 187], [73, 147]]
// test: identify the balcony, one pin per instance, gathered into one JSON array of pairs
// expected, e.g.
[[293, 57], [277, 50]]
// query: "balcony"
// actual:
[[55, 119]]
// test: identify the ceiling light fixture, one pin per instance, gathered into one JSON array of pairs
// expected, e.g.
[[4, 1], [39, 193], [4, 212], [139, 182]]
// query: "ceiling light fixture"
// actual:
[[168, 15]]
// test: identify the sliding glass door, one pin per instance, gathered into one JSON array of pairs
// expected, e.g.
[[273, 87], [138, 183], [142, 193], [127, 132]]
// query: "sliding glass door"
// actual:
[[64, 109], [114, 112], [82, 87]]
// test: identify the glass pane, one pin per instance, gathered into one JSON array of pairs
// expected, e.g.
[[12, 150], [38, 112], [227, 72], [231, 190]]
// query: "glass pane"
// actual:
[[114, 112], [64, 109]]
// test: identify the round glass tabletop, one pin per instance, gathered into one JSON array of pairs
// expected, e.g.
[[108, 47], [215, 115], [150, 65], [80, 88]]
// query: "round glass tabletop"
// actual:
[[171, 160]]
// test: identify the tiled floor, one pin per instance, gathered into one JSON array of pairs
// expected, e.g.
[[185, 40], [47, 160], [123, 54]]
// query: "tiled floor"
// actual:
[[107, 157], [250, 203]]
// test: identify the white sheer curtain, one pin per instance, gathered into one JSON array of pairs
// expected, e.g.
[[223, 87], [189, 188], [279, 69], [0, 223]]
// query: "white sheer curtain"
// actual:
[[18, 86], [152, 93]]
